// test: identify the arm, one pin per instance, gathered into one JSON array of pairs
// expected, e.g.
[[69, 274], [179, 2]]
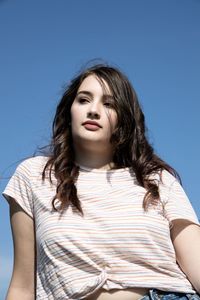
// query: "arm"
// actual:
[[22, 285], [186, 240]]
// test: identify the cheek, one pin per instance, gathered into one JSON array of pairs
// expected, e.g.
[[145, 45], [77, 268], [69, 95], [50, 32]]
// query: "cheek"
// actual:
[[74, 115], [114, 120], [74, 120], [72, 112]]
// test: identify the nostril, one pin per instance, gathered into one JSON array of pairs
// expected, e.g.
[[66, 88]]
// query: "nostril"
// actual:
[[93, 115]]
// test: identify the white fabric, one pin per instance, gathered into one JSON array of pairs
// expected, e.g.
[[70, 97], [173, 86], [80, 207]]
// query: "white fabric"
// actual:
[[115, 245]]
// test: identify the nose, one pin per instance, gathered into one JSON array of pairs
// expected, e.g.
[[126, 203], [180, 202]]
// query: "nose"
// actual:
[[93, 111]]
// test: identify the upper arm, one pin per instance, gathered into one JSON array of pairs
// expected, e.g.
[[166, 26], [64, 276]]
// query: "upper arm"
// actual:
[[22, 226], [186, 240]]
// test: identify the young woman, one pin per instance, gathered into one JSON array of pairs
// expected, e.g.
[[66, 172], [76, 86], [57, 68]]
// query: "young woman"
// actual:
[[101, 216]]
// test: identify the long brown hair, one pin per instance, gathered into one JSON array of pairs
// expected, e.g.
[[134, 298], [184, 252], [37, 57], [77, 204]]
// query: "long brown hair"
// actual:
[[131, 145]]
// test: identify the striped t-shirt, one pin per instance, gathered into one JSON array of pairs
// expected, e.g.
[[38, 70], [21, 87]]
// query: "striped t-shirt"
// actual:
[[115, 245]]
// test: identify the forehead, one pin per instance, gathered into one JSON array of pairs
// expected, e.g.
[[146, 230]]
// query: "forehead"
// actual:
[[95, 85]]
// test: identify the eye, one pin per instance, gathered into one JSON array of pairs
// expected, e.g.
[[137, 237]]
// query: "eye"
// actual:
[[83, 100], [108, 104], [108, 101]]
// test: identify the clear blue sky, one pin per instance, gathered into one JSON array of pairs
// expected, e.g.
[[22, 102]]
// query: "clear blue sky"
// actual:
[[43, 43]]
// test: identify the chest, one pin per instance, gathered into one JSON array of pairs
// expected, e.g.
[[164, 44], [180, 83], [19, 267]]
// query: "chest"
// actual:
[[113, 214]]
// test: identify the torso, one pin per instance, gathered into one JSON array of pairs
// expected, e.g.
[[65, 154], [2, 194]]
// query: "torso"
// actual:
[[112, 245], [127, 294]]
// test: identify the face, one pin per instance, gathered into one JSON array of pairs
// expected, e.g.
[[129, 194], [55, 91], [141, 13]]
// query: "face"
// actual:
[[93, 117]]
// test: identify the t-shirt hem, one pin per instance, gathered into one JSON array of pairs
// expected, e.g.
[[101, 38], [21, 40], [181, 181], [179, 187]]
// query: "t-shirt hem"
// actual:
[[193, 221]]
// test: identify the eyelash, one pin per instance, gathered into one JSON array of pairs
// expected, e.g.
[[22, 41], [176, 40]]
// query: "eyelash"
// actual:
[[84, 100], [108, 104]]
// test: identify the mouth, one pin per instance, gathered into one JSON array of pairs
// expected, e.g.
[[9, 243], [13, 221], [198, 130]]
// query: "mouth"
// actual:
[[91, 125]]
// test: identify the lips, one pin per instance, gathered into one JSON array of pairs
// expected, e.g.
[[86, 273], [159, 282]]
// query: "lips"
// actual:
[[92, 123]]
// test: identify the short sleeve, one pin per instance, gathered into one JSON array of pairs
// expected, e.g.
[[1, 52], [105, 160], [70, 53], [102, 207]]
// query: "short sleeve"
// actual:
[[178, 205], [19, 188]]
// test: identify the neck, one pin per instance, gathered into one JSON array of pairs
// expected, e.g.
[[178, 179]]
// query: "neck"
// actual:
[[94, 160]]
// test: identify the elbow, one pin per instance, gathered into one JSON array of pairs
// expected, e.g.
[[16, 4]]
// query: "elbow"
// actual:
[[198, 290], [196, 286], [19, 294]]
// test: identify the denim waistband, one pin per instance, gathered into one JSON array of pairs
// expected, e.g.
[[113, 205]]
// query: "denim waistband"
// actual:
[[155, 294]]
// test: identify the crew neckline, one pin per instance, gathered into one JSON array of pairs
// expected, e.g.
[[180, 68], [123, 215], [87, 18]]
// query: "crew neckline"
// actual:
[[101, 170]]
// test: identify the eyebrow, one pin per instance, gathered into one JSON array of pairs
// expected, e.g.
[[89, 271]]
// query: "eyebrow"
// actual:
[[88, 93], [85, 92]]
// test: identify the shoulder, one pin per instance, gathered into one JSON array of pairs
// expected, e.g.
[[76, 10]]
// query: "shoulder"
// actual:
[[32, 165], [167, 178], [164, 178], [167, 183]]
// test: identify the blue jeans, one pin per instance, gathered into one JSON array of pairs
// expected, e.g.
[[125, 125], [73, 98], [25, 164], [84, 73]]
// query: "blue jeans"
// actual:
[[155, 294]]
